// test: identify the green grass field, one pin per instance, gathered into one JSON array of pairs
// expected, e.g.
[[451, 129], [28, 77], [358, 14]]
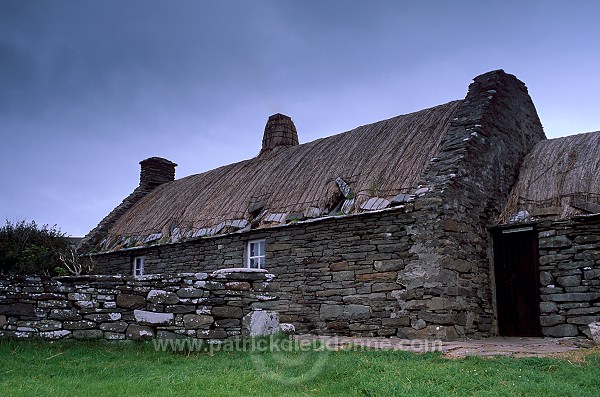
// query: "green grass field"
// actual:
[[35, 368]]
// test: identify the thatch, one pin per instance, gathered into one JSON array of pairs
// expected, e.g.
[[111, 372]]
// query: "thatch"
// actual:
[[556, 177], [376, 160]]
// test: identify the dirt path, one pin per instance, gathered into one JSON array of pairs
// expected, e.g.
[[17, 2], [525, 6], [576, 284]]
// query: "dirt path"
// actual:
[[518, 347]]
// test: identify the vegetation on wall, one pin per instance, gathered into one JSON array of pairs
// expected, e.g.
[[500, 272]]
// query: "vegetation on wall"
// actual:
[[26, 248]]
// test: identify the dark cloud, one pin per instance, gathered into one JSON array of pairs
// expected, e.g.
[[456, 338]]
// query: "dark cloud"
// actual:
[[89, 88]]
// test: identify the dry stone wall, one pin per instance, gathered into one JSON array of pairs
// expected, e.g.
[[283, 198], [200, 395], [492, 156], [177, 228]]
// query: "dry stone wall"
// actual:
[[569, 276], [200, 305], [351, 275]]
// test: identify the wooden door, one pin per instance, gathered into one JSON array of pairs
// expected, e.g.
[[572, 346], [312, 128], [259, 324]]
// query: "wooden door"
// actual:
[[517, 282]]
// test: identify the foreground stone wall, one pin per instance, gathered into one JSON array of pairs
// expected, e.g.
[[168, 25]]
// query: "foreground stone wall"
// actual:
[[569, 276], [201, 305]]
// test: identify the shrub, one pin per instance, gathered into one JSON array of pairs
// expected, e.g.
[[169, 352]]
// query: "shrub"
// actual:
[[27, 249]]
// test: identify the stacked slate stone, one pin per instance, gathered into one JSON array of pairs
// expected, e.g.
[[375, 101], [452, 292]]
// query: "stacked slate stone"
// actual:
[[569, 276], [280, 131], [208, 306], [156, 171]]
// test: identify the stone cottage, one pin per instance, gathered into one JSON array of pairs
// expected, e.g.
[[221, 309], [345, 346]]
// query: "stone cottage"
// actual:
[[383, 230], [547, 243]]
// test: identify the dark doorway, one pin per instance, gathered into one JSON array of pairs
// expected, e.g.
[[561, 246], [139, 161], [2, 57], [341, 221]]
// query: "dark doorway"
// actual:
[[517, 282]]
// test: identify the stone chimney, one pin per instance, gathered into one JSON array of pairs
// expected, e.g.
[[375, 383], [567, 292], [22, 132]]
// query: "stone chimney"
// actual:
[[156, 171], [280, 131]]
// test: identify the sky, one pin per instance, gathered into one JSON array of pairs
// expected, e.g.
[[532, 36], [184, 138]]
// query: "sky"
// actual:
[[90, 88]]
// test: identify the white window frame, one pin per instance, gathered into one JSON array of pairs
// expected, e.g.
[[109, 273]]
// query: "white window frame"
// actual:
[[260, 258], [138, 265]]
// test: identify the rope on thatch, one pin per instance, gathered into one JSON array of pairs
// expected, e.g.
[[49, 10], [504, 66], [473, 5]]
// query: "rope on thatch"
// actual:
[[556, 172]]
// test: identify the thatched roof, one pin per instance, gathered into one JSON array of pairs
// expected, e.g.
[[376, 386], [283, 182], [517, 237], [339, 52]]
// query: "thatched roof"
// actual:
[[558, 179], [378, 160]]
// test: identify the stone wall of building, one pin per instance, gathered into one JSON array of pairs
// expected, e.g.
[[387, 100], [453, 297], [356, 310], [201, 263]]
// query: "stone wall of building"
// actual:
[[460, 195], [569, 276], [336, 275], [221, 305], [421, 270]]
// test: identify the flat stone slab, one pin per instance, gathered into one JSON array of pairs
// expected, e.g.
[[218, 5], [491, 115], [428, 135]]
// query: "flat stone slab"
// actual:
[[153, 318], [517, 347]]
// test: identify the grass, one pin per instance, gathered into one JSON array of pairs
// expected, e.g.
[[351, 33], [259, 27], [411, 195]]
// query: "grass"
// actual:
[[36, 368]]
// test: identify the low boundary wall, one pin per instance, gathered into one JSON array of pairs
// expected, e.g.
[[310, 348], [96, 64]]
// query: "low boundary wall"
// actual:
[[225, 304]]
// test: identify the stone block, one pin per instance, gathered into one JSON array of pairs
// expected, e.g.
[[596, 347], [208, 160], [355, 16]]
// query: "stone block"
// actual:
[[344, 312], [138, 332], [77, 296], [561, 331], [452, 225], [114, 336], [389, 265], [18, 309], [553, 319], [48, 325], [460, 265], [64, 314], [380, 287], [260, 286], [548, 307], [555, 242], [227, 312], [153, 318], [88, 334], [211, 334], [583, 320], [119, 326], [180, 309], [584, 311], [402, 199], [267, 305], [162, 297], [591, 274], [195, 321], [238, 286], [191, 292], [375, 203], [587, 239], [90, 304], [260, 323], [287, 328], [569, 281], [546, 278], [103, 317], [2, 320], [128, 301], [337, 325], [201, 276], [386, 332], [570, 265], [575, 297], [595, 331], [54, 335], [390, 276], [344, 275], [227, 323], [338, 266], [83, 324], [395, 322]]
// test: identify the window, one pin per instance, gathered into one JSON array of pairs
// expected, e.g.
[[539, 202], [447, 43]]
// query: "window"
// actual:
[[138, 266], [256, 254]]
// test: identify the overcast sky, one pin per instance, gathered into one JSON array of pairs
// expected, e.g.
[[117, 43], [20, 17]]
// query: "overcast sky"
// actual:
[[90, 88]]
